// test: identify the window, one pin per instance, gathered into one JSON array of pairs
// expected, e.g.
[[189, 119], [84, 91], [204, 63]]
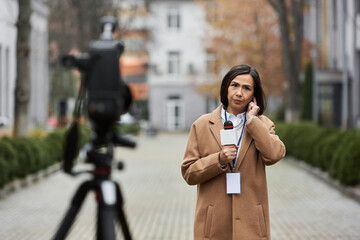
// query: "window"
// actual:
[[7, 83], [173, 19], [173, 63]]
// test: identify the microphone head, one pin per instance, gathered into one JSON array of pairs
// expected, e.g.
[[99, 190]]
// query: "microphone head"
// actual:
[[228, 125]]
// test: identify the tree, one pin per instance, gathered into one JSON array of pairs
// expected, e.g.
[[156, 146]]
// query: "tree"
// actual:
[[290, 15], [22, 87], [72, 25], [245, 32]]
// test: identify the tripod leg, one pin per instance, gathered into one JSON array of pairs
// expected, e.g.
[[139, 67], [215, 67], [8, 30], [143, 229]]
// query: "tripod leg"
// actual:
[[121, 214], [110, 208], [73, 210], [106, 210]]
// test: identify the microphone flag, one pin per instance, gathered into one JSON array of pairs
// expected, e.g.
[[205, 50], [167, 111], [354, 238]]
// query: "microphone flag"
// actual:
[[228, 136]]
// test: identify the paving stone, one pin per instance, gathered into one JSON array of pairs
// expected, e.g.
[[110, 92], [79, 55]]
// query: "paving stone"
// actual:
[[303, 207]]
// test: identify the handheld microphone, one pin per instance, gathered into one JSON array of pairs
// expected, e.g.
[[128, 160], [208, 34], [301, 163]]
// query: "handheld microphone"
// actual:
[[228, 136]]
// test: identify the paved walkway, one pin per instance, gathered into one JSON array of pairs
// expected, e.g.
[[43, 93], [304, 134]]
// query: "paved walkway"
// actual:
[[160, 205]]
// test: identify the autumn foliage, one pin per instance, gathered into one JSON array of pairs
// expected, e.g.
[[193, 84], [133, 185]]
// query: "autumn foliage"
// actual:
[[245, 32]]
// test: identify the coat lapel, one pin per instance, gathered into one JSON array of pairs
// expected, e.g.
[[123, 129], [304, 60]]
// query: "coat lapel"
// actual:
[[216, 124], [245, 144]]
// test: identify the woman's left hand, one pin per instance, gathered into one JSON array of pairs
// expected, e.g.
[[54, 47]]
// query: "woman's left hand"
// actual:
[[252, 109]]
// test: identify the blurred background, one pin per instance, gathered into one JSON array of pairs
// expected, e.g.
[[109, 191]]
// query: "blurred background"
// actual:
[[176, 53], [307, 53]]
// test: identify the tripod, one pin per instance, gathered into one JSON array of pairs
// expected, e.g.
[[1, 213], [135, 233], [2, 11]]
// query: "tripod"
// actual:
[[108, 195]]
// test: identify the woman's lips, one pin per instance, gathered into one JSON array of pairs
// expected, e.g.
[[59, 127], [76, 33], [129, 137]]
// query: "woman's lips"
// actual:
[[238, 101]]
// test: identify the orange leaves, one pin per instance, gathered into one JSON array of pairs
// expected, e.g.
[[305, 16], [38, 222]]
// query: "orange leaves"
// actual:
[[247, 31]]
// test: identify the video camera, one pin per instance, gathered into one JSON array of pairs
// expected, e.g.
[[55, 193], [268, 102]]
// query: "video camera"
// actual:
[[107, 95], [103, 92]]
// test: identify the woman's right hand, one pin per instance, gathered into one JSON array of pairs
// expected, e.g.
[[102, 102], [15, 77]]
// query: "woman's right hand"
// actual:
[[228, 153]]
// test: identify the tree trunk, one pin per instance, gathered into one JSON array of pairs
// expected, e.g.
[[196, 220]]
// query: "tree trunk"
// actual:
[[22, 88], [292, 52]]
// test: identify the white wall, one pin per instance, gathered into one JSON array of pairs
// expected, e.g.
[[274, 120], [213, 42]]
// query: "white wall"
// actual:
[[8, 17], [165, 89], [38, 61], [188, 41]]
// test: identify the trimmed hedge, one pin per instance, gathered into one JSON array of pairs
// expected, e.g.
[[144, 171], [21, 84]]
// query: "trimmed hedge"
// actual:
[[9, 160], [332, 150], [20, 156]]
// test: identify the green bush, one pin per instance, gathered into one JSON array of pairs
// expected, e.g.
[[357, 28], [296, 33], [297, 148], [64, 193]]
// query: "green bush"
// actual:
[[54, 144], [3, 171], [26, 156], [340, 153], [283, 131], [350, 168], [326, 147], [133, 129], [347, 160], [9, 158], [332, 150], [299, 138], [307, 134], [20, 156], [43, 157]]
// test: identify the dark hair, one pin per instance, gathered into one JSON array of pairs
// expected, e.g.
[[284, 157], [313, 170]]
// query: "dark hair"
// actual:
[[242, 70]]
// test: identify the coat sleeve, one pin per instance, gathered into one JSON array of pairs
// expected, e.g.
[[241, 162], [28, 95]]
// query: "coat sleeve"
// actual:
[[195, 168], [271, 148]]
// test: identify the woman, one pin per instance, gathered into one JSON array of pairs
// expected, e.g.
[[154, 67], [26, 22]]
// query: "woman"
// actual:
[[221, 215]]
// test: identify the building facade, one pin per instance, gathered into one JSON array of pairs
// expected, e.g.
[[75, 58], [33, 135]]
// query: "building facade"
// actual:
[[333, 27], [177, 64], [38, 62], [8, 16]]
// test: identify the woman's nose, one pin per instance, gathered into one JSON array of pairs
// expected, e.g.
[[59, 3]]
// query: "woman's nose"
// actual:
[[239, 92]]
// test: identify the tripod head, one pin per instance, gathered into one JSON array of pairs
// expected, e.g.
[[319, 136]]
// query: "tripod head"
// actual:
[[101, 152], [103, 95]]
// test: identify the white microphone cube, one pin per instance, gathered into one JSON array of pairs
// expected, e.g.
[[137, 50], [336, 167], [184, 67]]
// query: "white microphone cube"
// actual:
[[228, 137]]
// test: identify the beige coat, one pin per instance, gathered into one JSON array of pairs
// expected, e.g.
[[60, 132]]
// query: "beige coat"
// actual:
[[220, 216]]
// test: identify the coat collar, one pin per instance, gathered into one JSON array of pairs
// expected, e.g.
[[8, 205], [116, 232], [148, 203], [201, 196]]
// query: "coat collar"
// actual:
[[216, 125]]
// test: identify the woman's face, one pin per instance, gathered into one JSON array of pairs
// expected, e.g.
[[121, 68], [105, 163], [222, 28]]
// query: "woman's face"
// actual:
[[240, 93]]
